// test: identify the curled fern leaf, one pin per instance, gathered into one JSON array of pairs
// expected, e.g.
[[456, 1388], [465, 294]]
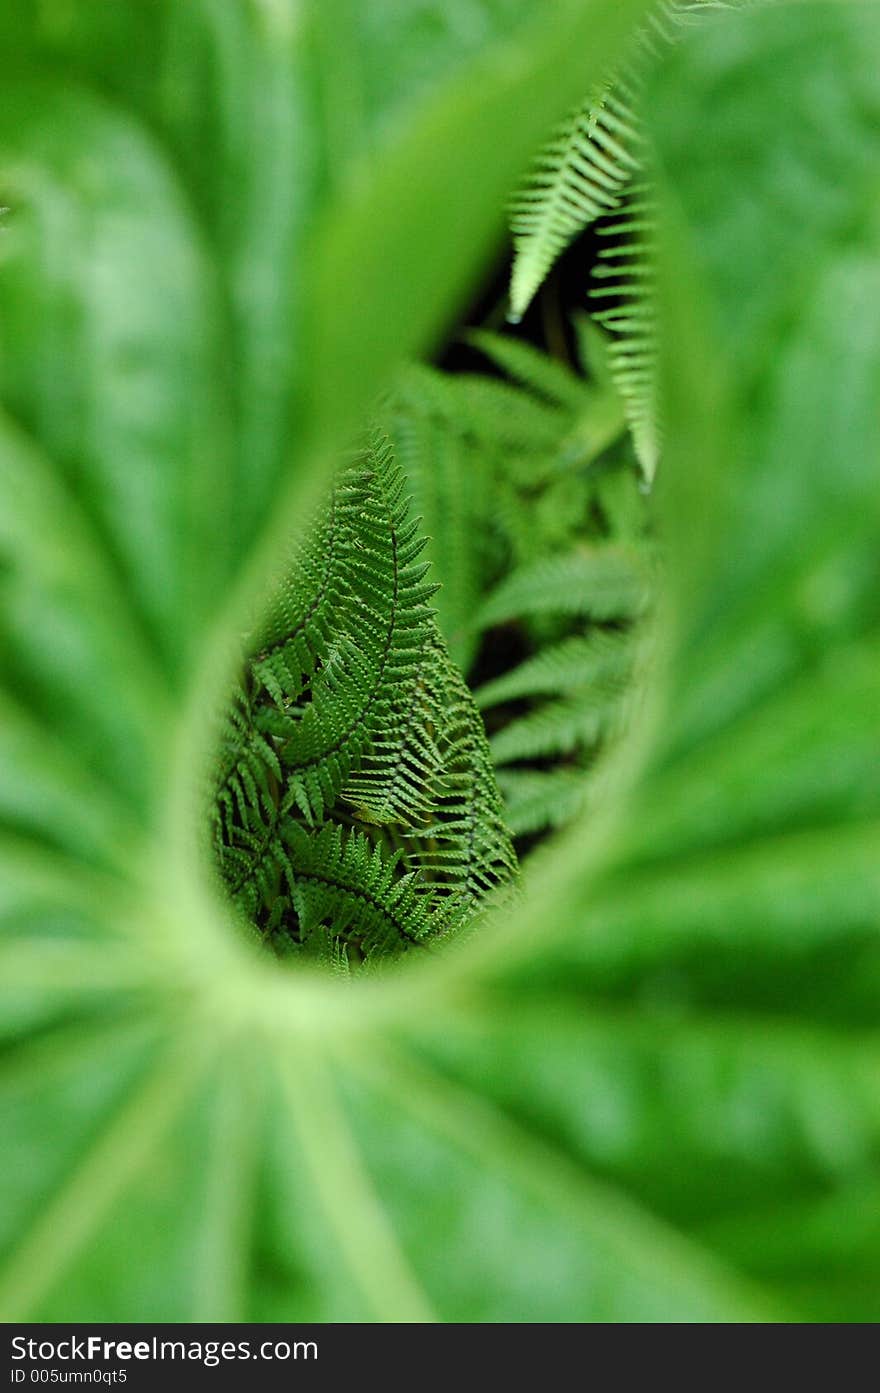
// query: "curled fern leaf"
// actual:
[[356, 811], [340, 881]]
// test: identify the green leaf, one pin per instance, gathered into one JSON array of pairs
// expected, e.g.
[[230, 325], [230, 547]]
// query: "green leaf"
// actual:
[[601, 582], [738, 912], [515, 88], [112, 331], [596, 1105]]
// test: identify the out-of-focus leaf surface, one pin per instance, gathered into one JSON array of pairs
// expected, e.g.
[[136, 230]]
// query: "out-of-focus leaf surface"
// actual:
[[718, 988], [656, 1097]]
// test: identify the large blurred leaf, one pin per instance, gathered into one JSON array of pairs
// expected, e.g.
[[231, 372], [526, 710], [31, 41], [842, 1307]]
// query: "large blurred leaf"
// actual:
[[718, 985], [600, 1108]]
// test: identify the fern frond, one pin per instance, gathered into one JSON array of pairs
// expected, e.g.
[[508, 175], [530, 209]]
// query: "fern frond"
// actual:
[[339, 881], [624, 274], [578, 176], [382, 621], [593, 170], [543, 376], [590, 673], [581, 173], [450, 478], [356, 810], [584, 169], [602, 657], [482, 410], [538, 800], [604, 582], [488, 463], [558, 728], [467, 847]]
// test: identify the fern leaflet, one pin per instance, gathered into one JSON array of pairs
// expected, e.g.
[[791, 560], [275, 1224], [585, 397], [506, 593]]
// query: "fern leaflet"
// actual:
[[356, 812]]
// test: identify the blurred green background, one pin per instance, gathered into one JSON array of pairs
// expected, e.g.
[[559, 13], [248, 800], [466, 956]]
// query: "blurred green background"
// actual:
[[651, 1092]]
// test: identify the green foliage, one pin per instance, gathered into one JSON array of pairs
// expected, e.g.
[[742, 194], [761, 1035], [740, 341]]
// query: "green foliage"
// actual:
[[602, 583], [539, 536], [624, 291], [351, 712], [594, 171], [646, 1089], [583, 173], [603, 655], [501, 471], [571, 697]]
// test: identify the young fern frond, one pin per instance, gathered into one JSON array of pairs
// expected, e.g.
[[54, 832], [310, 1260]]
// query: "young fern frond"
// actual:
[[537, 528], [356, 806], [593, 170], [584, 169], [466, 849], [381, 622], [459, 844], [338, 878]]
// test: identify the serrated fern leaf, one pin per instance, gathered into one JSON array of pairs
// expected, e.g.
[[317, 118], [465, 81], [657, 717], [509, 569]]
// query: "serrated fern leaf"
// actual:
[[557, 728], [356, 810], [603, 656], [338, 881], [581, 173], [537, 800], [467, 848], [603, 582], [577, 177], [382, 621], [583, 617], [584, 169], [593, 171], [624, 285]]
